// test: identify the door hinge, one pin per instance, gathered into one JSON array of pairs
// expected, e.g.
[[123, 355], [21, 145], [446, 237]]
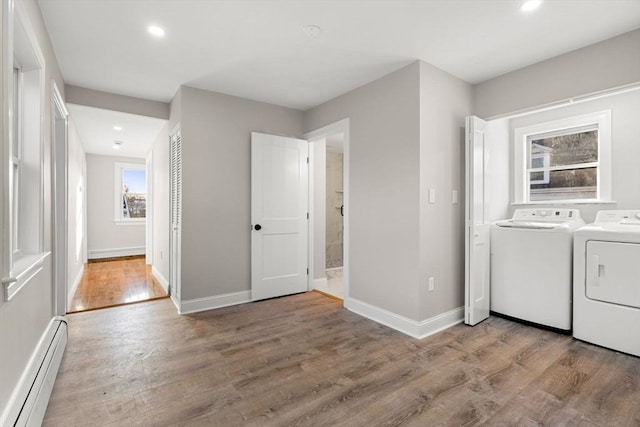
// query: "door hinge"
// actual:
[[307, 215], [307, 160], [307, 271]]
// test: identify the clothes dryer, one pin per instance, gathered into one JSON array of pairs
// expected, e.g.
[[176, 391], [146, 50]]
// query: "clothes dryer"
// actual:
[[531, 266], [606, 286]]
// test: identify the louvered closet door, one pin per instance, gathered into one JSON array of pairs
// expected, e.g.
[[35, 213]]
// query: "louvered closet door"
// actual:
[[176, 213]]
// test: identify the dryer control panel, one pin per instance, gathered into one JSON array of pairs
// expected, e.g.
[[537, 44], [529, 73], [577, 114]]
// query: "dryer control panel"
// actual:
[[618, 217]]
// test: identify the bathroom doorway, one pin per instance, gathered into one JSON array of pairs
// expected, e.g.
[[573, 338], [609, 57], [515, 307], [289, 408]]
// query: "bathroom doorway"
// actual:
[[329, 209], [334, 215]]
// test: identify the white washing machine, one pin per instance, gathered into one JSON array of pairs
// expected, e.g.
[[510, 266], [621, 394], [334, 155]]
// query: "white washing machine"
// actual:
[[531, 266], [606, 284]]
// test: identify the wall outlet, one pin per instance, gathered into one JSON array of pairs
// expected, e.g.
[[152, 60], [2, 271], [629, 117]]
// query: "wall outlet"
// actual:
[[432, 284]]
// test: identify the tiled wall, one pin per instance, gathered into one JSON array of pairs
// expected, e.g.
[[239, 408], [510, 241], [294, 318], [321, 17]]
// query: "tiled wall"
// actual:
[[334, 201]]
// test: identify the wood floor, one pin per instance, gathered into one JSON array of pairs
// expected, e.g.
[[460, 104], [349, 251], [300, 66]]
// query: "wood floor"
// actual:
[[115, 282], [304, 360]]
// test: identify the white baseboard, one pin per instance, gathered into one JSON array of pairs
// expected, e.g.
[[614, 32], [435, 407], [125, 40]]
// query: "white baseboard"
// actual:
[[403, 324], [74, 285], [161, 279], [213, 302], [116, 252], [30, 397], [320, 283]]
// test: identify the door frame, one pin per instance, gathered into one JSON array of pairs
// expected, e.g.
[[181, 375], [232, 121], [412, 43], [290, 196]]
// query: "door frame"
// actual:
[[341, 126], [60, 181]]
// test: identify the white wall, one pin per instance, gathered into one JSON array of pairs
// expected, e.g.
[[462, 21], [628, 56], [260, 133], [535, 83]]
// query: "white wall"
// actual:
[[161, 204], [384, 187], [625, 146], [24, 319], [216, 203], [445, 101], [103, 235], [601, 66], [76, 209]]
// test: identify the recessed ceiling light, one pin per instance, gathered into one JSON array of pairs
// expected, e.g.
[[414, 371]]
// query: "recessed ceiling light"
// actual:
[[117, 128], [530, 5], [155, 30], [311, 31], [116, 145]]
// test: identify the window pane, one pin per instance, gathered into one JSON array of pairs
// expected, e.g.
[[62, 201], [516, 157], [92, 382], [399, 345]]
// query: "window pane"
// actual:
[[134, 193], [569, 149], [564, 185]]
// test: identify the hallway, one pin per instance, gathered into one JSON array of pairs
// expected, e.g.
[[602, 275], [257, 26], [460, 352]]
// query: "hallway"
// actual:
[[113, 282]]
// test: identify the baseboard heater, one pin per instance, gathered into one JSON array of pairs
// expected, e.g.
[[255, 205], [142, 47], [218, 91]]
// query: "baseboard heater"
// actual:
[[34, 390]]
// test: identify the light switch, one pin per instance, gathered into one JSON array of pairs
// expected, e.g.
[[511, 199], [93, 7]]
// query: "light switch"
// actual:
[[432, 195], [454, 197]]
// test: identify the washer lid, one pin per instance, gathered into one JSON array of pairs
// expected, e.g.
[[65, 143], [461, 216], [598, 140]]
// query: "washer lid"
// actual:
[[546, 225]]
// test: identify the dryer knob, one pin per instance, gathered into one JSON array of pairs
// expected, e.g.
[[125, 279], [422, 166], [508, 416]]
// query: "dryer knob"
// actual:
[[638, 215]]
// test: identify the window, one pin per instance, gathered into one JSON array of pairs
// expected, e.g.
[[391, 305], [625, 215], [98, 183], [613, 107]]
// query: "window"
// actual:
[[23, 174], [564, 161], [130, 193]]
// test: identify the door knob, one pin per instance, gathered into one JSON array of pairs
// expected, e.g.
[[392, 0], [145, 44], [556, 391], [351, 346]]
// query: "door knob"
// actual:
[[257, 227]]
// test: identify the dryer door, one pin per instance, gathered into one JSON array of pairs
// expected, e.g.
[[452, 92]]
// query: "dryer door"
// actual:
[[613, 272]]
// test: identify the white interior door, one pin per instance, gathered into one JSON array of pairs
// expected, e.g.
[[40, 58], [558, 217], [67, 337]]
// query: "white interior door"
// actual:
[[477, 250], [279, 216]]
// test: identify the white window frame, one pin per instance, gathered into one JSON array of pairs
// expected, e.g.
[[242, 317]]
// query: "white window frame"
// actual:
[[118, 169], [23, 181], [599, 120]]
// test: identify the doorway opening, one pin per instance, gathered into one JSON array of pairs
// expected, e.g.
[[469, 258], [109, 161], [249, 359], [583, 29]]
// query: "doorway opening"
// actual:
[[329, 191]]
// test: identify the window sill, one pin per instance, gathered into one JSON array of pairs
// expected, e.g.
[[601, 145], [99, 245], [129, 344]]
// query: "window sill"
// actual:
[[24, 269], [130, 221], [564, 203]]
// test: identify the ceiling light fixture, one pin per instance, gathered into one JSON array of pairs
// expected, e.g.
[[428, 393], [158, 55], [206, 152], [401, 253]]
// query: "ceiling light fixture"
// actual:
[[116, 145], [118, 128], [311, 31], [530, 5], [155, 30]]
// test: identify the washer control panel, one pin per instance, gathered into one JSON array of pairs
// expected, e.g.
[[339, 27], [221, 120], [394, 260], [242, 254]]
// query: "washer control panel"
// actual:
[[550, 214], [619, 217]]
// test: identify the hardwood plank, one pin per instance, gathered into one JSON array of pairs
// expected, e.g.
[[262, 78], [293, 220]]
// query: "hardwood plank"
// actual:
[[305, 360]]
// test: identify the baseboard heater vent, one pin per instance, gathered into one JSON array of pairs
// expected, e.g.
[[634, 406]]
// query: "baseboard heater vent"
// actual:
[[33, 393]]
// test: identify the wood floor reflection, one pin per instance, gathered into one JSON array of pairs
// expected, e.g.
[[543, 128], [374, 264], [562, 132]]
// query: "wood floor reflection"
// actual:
[[115, 282]]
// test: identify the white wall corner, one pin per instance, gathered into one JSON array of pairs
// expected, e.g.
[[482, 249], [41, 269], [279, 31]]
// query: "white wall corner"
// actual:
[[116, 252], [320, 283], [213, 302], [161, 279], [74, 285], [403, 324]]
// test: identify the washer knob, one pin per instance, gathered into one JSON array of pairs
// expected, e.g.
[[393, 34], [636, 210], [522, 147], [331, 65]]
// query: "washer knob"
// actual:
[[543, 213]]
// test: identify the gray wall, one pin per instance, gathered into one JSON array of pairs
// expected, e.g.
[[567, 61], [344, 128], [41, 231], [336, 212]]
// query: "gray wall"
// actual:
[[102, 232], [216, 135], [24, 319], [161, 202], [610, 63], [110, 101], [76, 209], [384, 187], [445, 101], [625, 146]]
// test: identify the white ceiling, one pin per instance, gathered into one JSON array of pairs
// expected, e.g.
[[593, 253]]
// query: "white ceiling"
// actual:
[[257, 50], [95, 129]]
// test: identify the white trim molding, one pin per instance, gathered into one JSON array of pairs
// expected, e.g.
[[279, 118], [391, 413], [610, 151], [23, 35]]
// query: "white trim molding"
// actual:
[[320, 283], [212, 302], [116, 252], [160, 278], [413, 328], [74, 285]]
